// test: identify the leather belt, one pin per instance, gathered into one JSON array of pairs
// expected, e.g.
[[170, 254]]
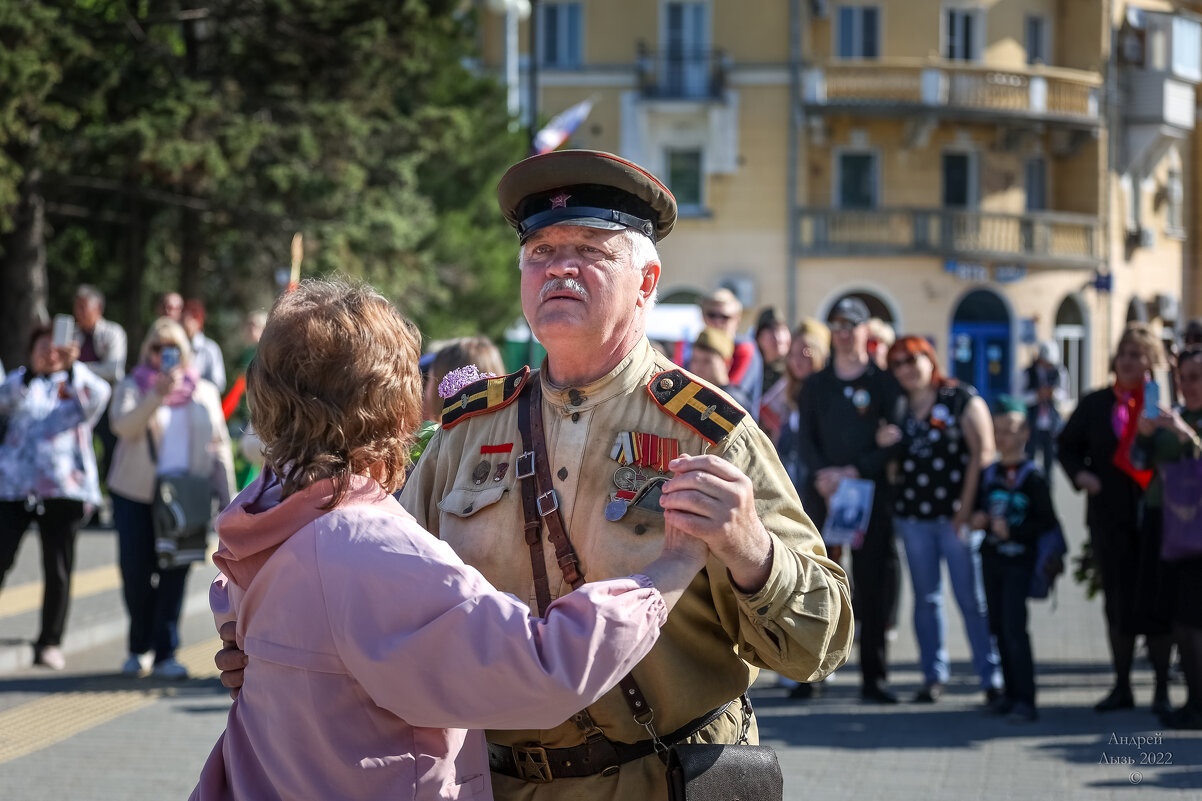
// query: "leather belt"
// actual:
[[533, 763]]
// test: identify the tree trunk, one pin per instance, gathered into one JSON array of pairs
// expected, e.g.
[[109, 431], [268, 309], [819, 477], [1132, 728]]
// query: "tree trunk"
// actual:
[[23, 271]]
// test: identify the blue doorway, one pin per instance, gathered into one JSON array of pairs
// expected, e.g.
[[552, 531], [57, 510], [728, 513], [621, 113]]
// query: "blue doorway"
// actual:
[[980, 344]]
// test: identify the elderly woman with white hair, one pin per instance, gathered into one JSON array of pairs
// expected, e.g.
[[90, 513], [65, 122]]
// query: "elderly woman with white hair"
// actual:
[[168, 421]]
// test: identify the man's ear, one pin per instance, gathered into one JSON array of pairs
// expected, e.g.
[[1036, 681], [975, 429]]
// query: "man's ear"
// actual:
[[650, 281]]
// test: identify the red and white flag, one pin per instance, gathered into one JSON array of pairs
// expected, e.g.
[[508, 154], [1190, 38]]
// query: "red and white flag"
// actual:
[[557, 131]]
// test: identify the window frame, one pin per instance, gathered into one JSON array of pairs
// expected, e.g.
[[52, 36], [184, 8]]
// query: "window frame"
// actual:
[[977, 53], [1044, 56], [857, 11], [837, 187], [682, 208], [574, 60]]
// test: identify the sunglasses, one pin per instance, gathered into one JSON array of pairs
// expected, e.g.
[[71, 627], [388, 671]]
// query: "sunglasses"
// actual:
[[905, 361], [713, 315], [841, 325], [157, 347]]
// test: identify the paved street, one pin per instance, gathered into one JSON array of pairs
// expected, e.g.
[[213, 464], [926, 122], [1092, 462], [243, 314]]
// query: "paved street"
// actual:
[[88, 734]]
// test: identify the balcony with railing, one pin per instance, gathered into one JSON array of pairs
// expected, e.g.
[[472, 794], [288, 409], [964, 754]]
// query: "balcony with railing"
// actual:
[[696, 75], [1063, 96], [1054, 239]]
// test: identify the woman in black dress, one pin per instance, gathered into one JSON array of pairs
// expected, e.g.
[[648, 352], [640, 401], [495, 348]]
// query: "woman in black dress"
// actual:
[[1095, 451]]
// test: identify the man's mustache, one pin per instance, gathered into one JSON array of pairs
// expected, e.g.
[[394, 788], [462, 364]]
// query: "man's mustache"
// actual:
[[562, 285]]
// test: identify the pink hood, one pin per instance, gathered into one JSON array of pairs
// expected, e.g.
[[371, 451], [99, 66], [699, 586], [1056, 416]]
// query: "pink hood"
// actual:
[[258, 522]]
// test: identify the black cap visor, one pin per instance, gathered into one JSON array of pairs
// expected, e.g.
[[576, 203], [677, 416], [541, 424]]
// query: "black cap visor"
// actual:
[[586, 216]]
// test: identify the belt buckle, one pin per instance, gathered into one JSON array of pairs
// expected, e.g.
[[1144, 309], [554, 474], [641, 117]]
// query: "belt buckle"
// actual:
[[547, 503], [532, 764]]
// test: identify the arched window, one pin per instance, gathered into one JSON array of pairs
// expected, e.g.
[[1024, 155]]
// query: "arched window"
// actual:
[[1070, 334]]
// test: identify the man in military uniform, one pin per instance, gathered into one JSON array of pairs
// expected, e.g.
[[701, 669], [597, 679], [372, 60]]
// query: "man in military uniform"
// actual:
[[633, 443]]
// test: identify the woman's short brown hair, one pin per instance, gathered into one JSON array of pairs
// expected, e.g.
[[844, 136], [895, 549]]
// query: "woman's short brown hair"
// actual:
[[334, 387]]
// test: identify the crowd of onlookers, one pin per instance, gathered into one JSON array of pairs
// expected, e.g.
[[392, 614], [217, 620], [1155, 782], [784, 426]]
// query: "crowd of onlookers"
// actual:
[[871, 432], [855, 410]]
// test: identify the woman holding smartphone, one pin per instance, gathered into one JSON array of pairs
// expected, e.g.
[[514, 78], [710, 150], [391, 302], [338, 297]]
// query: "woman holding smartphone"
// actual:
[[48, 469], [168, 421], [1095, 451]]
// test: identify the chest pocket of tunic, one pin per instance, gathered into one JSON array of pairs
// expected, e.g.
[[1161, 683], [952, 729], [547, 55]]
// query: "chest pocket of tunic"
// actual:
[[467, 502]]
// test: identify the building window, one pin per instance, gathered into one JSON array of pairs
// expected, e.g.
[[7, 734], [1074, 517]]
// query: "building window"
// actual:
[[1187, 49], [685, 40], [686, 180], [959, 180], [857, 33], [559, 35], [1037, 40], [1037, 183], [857, 180], [963, 28]]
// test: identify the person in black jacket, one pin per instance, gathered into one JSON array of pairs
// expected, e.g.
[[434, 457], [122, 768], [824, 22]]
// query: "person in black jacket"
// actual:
[[1095, 451], [840, 409]]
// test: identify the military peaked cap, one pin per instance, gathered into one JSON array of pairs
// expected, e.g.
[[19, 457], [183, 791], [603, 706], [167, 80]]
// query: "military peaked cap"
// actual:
[[588, 188]]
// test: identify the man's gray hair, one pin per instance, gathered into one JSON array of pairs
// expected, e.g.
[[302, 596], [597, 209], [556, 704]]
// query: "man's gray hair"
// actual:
[[91, 294], [642, 253]]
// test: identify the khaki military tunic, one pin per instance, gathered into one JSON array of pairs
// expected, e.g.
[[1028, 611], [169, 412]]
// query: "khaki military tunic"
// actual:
[[799, 624]]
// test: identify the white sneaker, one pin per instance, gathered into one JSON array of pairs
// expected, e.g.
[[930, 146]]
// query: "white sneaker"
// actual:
[[135, 665], [50, 656], [171, 669]]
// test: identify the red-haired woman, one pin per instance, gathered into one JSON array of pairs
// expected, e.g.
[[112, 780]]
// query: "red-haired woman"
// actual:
[[944, 441]]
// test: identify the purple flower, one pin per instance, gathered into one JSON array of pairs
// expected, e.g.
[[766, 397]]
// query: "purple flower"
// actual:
[[459, 378]]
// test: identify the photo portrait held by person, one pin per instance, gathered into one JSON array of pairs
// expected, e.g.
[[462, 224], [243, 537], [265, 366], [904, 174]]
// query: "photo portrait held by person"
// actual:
[[168, 422], [1095, 448], [621, 446], [942, 442], [340, 597], [48, 472]]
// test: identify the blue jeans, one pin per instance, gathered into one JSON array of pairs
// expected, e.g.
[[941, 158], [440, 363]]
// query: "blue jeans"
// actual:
[[154, 607], [929, 543]]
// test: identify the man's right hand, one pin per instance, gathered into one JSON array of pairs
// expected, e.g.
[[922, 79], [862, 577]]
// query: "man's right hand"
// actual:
[[230, 660]]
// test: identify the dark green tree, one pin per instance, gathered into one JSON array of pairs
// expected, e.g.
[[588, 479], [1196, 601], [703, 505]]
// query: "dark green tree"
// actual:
[[219, 131]]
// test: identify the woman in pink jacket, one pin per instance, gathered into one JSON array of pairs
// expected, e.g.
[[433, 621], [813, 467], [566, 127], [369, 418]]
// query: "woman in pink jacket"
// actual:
[[375, 655]]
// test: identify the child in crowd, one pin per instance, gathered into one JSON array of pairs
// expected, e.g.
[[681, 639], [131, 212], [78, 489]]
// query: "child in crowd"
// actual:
[[1014, 507]]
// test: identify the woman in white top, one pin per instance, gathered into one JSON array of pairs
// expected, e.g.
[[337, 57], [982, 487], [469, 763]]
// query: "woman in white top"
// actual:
[[168, 421]]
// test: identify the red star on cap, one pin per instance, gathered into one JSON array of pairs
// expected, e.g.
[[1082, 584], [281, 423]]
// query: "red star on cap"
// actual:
[[560, 201]]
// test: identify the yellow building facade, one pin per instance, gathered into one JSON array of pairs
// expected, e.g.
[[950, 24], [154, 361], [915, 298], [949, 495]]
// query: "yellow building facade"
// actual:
[[988, 174]]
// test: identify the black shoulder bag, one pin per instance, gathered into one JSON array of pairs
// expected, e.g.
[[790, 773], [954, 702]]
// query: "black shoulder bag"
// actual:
[[182, 509]]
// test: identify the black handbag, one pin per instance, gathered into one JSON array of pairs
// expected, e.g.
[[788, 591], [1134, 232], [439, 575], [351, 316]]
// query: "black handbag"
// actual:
[[709, 772], [181, 511]]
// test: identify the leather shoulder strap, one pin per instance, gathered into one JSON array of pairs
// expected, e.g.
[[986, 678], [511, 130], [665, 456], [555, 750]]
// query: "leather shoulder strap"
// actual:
[[540, 503]]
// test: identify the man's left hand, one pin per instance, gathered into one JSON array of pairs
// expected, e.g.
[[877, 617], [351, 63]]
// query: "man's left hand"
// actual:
[[714, 501]]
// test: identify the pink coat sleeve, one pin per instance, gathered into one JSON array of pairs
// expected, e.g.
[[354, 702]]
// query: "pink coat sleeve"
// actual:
[[432, 641]]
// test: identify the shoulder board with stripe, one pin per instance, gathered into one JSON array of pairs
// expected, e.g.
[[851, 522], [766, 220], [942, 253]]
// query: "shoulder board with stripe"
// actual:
[[483, 397], [708, 412]]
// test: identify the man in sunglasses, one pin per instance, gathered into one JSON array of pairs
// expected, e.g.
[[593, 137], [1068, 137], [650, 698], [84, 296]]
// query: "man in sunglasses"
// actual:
[[841, 407]]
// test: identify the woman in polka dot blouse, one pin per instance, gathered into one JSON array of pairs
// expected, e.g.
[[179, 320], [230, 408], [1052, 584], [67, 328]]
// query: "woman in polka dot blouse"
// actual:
[[941, 445]]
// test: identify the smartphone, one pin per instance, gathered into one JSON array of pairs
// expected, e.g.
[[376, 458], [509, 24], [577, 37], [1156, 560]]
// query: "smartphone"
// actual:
[[170, 358], [1151, 400], [64, 330]]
